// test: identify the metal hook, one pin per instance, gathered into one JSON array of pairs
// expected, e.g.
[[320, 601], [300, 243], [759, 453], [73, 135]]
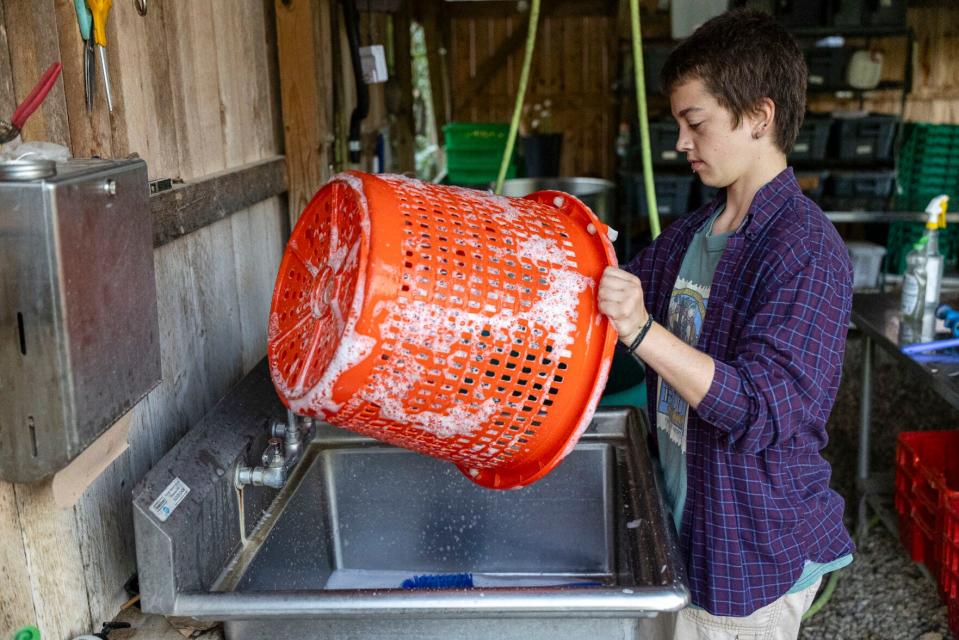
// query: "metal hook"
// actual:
[[141, 6]]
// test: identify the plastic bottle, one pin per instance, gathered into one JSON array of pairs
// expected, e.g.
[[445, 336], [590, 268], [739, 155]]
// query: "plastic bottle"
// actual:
[[923, 278]]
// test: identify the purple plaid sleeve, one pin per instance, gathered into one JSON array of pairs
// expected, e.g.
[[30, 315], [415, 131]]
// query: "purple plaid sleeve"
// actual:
[[788, 353]]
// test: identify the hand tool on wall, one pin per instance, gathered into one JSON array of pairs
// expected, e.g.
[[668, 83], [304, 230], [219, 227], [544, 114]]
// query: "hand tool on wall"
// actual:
[[100, 10], [85, 22], [10, 130]]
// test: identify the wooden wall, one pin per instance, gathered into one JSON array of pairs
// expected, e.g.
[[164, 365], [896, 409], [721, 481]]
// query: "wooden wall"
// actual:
[[574, 67], [196, 92]]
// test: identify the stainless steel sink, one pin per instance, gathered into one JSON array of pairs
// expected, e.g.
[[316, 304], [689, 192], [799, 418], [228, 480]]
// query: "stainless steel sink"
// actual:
[[586, 550]]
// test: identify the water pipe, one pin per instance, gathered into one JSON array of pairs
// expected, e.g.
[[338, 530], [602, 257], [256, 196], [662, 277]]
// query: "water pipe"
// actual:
[[520, 95], [647, 156]]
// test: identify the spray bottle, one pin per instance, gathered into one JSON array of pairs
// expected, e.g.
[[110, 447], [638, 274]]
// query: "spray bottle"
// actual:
[[923, 278]]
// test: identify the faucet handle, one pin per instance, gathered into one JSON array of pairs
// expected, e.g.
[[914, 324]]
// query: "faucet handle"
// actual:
[[273, 453]]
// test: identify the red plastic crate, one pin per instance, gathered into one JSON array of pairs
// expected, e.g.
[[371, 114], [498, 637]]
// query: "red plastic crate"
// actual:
[[927, 481], [949, 576]]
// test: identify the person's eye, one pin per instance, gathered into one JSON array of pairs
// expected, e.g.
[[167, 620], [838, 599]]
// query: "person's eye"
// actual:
[[694, 125]]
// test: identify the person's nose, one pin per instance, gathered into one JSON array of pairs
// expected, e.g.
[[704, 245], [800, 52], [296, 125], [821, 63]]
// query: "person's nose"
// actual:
[[684, 142]]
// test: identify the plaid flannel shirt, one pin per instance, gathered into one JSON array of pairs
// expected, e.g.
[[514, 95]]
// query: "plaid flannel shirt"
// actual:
[[758, 502]]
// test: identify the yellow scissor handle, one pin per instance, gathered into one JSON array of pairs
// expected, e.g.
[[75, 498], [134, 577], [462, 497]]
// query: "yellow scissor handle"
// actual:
[[100, 9]]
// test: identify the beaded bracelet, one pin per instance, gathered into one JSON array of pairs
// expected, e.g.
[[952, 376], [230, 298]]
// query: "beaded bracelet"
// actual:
[[642, 334]]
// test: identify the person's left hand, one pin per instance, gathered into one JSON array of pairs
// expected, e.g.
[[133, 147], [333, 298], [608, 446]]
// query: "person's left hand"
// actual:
[[621, 300]]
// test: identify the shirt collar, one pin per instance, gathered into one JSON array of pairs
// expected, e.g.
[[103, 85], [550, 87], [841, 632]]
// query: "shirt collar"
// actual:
[[770, 199]]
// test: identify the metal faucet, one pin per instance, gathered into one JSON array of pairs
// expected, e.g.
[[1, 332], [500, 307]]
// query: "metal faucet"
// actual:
[[283, 450]]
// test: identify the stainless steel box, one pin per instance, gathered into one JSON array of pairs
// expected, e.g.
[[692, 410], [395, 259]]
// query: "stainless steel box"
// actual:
[[79, 336]]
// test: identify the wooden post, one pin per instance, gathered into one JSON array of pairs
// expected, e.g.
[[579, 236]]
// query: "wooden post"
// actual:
[[305, 42], [436, 51], [403, 127]]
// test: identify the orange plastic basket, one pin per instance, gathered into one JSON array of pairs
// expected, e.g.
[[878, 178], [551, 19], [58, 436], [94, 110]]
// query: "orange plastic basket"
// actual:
[[449, 321]]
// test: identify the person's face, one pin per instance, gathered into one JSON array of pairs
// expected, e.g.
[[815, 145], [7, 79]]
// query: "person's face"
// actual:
[[718, 152]]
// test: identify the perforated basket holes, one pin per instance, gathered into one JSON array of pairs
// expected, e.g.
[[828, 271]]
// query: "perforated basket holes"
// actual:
[[463, 256], [313, 300]]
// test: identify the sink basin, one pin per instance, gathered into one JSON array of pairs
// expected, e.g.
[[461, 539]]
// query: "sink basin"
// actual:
[[589, 549]]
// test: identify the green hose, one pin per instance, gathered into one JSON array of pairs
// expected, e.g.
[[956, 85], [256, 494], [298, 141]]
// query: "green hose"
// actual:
[[824, 598], [647, 155], [520, 95]]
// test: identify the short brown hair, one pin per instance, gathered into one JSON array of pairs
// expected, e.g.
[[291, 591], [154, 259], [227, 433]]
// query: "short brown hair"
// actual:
[[743, 56]]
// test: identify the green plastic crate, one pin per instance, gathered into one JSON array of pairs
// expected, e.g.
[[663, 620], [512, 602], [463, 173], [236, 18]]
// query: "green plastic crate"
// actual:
[[902, 237], [473, 136], [477, 176]]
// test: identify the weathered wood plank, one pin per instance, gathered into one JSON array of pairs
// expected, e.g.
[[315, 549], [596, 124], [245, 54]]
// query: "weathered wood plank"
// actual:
[[54, 562], [16, 600], [90, 133], [143, 86], [193, 205], [401, 88], [33, 46], [259, 237], [440, 65], [193, 66], [7, 102], [304, 40]]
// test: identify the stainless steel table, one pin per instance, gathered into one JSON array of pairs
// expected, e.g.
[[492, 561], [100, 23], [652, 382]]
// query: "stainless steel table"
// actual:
[[877, 316]]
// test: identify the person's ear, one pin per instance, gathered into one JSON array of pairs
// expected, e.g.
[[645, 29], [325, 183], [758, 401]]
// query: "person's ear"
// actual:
[[762, 118]]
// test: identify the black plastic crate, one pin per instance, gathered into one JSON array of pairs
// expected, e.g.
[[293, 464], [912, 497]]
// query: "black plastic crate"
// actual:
[[801, 13], [662, 145], [861, 184], [813, 138], [672, 194], [884, 13], [654, 59], [868, 138], [812, 183], [859, 190], [827, 67]]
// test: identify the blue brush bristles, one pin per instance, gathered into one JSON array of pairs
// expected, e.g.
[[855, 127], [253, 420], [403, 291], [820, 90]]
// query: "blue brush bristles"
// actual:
[[443, 581]]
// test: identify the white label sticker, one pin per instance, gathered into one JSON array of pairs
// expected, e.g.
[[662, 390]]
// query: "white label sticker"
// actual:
[[169, 500], [670, 155], [816, 80], [801, 147], [373, 62], [863, 149]]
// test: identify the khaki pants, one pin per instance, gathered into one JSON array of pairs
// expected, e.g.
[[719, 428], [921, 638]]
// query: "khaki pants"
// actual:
[[778, 620]]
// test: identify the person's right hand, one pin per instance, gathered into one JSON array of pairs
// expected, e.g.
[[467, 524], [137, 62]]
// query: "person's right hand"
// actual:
[[621, 300]]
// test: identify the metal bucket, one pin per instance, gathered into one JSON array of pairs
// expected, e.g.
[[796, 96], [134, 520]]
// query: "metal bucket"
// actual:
[[596, 193]]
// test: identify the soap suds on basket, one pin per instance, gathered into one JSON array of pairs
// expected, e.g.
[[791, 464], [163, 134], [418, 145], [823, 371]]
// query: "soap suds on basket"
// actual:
[[353, 347]]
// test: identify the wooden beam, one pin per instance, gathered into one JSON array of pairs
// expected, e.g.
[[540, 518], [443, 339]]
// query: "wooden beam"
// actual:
[[503, 9], [436, 55], [305, 42], [400, 88], [492, 65], [193, 205]]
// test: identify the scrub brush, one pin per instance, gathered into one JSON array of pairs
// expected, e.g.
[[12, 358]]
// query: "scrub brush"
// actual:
[[465, 581], [441, 581]]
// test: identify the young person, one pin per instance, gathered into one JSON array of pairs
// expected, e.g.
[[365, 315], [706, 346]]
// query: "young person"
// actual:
[[739, 311]]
